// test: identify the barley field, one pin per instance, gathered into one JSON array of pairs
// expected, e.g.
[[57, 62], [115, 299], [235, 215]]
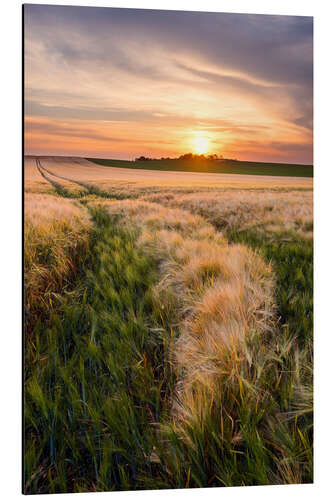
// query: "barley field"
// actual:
[[168, 328]]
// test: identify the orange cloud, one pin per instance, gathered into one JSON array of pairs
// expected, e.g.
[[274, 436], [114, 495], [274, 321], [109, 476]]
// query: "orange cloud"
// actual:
[[120, 83]]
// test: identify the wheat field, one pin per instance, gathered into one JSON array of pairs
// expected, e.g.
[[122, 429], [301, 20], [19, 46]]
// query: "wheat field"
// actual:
[[168, 328]]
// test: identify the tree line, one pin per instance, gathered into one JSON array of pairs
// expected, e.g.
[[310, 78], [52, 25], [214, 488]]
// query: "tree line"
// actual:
[[187, 156]]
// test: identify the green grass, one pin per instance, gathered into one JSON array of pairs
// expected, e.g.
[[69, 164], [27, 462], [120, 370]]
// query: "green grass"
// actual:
[[292, 259], [95, 377], [271, 406], [206, 166], [99, 382]]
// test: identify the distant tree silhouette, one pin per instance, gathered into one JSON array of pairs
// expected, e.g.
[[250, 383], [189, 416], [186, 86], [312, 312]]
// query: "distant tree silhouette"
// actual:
[[186, 156], [143, 158]]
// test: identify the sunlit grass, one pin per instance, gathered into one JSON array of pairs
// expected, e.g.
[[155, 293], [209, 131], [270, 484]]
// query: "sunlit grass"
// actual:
[[236, 210], [168, 341], [56, 235]]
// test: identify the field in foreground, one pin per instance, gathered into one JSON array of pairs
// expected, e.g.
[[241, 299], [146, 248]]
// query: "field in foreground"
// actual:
[[168, 328]]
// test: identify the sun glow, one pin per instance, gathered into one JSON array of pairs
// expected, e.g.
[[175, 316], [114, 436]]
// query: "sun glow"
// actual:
[[201, 144]]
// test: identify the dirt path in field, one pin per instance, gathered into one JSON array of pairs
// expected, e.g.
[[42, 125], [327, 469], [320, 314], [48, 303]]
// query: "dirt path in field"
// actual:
[[42, 169], [63, 189], [88, 187]]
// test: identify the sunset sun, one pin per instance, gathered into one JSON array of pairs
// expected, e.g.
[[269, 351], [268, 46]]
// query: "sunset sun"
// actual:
[[201, 144]]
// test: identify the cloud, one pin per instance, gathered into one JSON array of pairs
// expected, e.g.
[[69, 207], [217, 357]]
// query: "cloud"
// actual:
[[232, 73], [44, 128], [274, 48], [35, 108]]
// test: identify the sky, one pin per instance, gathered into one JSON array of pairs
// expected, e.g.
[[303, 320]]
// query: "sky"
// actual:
[[121, 83]]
